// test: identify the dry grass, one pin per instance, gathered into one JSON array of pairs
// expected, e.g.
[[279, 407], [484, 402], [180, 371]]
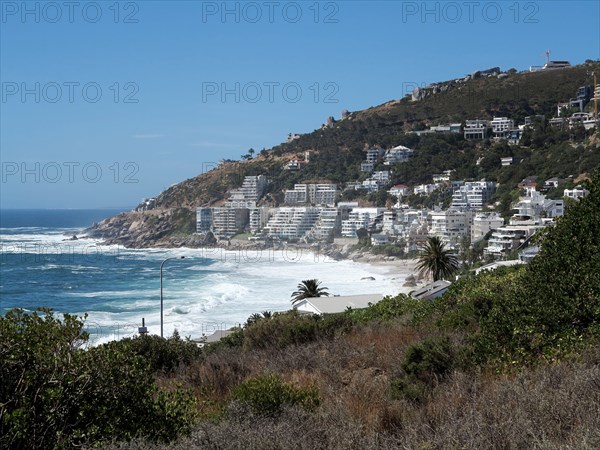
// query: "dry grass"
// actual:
[[551, 407]]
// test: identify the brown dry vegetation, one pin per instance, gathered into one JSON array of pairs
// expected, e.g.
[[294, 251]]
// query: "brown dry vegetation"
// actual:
[[551, 406]]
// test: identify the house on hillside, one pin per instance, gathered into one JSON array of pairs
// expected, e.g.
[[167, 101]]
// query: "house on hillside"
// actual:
[[336, 304], [432, 290]]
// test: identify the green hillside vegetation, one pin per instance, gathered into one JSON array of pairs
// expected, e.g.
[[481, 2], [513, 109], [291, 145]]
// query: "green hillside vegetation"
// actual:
[[505, 359]]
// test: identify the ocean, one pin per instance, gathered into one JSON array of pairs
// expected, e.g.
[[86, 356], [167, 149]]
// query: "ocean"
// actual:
[[209, 289]]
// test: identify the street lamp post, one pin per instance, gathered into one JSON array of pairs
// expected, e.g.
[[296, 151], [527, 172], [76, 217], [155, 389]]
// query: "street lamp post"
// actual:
[[161, 291]]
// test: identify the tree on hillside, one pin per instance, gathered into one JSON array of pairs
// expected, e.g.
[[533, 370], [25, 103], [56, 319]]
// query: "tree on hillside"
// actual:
[[564, 279], [309, 289], [435, 260]]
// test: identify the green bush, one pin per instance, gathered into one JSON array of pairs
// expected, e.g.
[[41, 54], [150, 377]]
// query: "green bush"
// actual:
[[267, 395], [55, 394], [163, 355], [429, 360], [391, 308], [281, 330], [408, 388]]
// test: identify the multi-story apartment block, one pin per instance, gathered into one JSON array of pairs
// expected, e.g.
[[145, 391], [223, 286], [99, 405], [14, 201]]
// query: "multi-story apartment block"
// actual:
[[327, 226], [373, 154], [296, 196], [473, 195], [475, 129], [322, 194], [451, 225], [204, 218], [361, 218], [502, 126], [292, 223], [534, 208], [377, 181], [508, 238], [249, 193], [227, 222], [400, 190], [397, 155], [389, 220], [425, 189], [483, 223], [258, 218], [314, 194]]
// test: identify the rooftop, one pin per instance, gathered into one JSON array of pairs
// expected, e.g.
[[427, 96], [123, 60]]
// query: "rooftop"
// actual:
[[336, 304]]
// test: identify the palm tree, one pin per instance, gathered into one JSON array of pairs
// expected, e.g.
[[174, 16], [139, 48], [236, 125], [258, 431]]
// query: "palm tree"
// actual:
[[308, 289], [435, 260], [253, 319]]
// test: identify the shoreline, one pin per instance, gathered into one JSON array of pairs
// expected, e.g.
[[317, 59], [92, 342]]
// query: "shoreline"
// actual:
[[248, 251]]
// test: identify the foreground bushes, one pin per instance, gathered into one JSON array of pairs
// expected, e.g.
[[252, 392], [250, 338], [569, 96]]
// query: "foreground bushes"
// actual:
[[54, 394]]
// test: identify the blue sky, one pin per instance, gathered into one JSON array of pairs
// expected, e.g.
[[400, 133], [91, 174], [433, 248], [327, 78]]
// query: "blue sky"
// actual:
[[105, 103]]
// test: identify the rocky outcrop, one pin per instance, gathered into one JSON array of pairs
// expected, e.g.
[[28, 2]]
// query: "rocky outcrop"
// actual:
[[155, 228]]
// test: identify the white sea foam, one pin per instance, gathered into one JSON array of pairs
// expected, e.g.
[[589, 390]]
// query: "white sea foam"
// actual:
[[210, 289]]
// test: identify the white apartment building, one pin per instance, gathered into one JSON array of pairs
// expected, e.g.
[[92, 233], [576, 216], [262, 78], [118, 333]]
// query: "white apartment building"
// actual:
[[258, 218], [389, 220], [227, 222], [373, 154], [576, 193], [451, 225], [483, 223], [315, 194], [397, 155], [296, 196], [473, 194], [425, 189], [249, 193], [292, 223], [360, 218], [400, 190], [322, 194], [203, 220], [377, 180], [508, 238], [501, 127], [327, 226], [533, 208], [475, 129]]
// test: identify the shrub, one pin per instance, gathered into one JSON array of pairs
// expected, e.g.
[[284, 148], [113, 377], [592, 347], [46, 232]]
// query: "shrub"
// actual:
[[408, 389], [281, 330], [391, 308], [268, 394], [163, 355], [55, 394], [429, 360]]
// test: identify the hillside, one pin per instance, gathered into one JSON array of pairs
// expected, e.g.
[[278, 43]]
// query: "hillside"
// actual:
[[339, 150]]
